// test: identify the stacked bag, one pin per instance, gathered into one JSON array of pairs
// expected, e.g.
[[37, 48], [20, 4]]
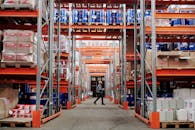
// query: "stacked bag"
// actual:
[[31, 4], [19, 47]]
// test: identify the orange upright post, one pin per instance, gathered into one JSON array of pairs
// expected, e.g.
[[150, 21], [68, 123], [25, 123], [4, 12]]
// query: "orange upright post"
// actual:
[[36, 119], [78, 101], [68, 105], [155, 120], [125, 105], [116, 101]]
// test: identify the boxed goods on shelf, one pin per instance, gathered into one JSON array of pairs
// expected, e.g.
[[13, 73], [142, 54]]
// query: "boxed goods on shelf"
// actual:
[[172, 59]]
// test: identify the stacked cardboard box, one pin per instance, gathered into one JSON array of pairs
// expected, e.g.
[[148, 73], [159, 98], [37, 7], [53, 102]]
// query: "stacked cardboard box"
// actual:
[[171, 60]]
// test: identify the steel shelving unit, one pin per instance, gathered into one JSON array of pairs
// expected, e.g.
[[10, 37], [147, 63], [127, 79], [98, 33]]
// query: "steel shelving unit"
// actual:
[[155, 75]]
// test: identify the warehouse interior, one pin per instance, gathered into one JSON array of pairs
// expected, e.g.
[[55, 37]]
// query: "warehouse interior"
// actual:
[[54, 53]]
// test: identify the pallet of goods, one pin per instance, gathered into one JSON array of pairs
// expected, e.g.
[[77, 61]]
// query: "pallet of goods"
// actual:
[[19, 49]]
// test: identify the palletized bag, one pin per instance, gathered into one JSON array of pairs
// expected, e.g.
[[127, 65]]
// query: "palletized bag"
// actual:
[[10, 35], [8, 57], [10, 47], [26, 35], [26, 47]]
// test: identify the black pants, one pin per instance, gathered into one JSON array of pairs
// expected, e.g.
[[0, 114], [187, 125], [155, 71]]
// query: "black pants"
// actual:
[[100, 95]]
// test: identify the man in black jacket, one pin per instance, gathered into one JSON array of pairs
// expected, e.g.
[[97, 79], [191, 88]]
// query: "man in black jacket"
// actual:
[[100, 94]]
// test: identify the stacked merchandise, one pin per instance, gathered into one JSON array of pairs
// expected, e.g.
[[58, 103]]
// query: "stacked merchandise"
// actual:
[[64, 45], [128, 71], [158, 22], [188, 95], [64, 17], [97, 16], [114, 17], [167, 108], [23, 111], [171, 59], [19, 47], [80, 16], [130, 16], [8, 99], [181, 9], [17, 4]]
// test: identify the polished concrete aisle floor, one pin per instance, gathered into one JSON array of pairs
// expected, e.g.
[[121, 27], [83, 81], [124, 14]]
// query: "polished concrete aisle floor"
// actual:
[[88, 116]]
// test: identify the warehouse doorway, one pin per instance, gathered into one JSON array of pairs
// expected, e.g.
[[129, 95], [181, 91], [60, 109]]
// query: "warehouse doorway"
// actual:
[[94, 83]]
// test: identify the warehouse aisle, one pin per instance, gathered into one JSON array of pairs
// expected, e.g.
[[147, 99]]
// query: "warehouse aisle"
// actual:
[[88, 116]]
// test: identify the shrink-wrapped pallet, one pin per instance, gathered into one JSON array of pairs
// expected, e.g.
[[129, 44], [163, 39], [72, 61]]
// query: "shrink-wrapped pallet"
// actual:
[[10, 47], [181, 115], [6, 57], [10, 35]]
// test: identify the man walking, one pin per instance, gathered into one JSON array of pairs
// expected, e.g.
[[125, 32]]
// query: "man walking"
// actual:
[[99, 91]]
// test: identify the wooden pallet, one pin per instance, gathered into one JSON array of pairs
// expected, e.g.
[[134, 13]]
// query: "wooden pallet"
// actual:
[[18, 65], [16, 122], [177, 124]]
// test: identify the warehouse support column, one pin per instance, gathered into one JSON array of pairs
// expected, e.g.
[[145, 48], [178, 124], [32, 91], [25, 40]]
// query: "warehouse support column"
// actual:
[[69, 102], [125, 103], [142, 52], [154, 117], [80, 80], [36, 115], [135, 55], [114, 74], [58, 59], [51, 44]]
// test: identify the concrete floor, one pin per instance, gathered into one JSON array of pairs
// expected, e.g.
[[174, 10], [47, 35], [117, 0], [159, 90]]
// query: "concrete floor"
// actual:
[[88, 116]]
